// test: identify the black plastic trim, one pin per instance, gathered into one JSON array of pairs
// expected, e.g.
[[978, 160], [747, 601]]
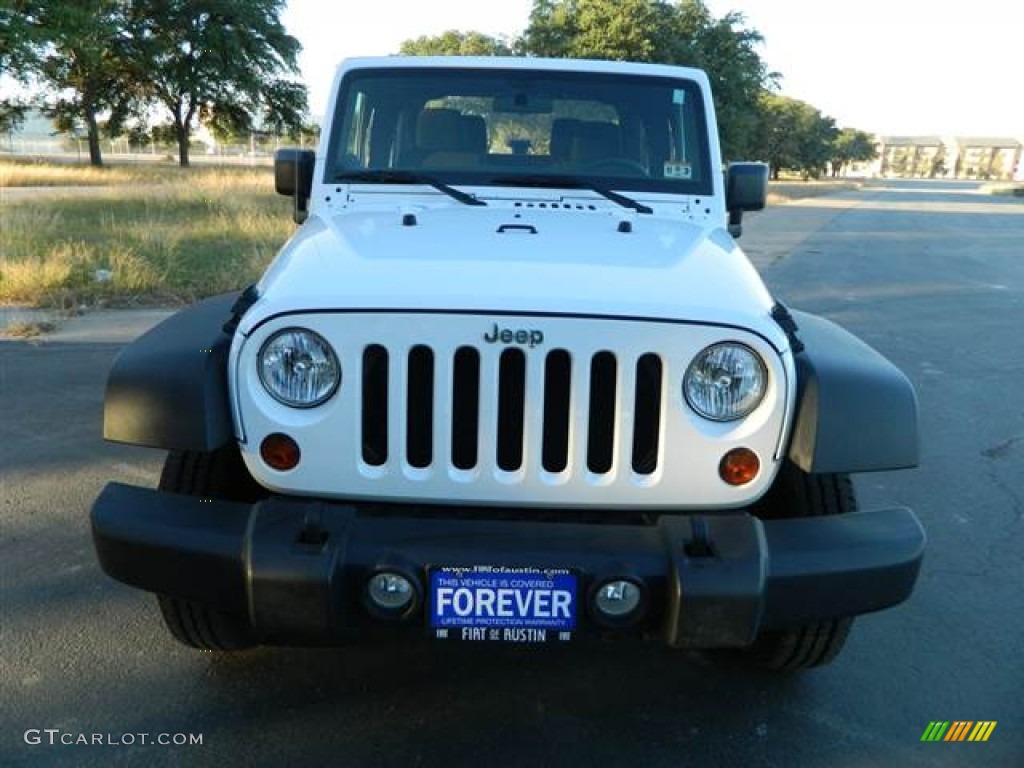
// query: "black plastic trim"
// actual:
[[785, 321], [246, 299], [168, 389], [754, 574], [855, 411]]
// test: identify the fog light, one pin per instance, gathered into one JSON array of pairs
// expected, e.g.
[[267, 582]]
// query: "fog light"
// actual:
[[389, 592], [739, 466], [280, 452], [617, 599]]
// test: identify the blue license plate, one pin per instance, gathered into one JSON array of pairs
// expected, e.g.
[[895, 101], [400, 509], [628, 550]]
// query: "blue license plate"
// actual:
[[504, 604]]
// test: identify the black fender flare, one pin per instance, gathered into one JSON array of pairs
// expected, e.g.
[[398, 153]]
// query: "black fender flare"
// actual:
[[168, 389], [855, 410]]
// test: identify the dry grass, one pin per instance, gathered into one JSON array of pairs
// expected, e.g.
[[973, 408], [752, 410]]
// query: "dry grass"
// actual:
[[29, 330], [157, 234], [1008, 188], [40, 174], [160, 236]]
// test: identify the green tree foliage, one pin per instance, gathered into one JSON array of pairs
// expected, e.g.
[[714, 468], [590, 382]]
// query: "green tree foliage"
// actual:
[[852, 146], [226, 62], [77, 51], [793, 136], [620, 30], [455, 43], [18, 36], [684, 33], [12, 114], [727, 50]]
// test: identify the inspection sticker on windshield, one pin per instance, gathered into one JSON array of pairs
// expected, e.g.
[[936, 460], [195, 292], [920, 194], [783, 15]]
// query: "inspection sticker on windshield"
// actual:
[[677, 170], [504, 604]]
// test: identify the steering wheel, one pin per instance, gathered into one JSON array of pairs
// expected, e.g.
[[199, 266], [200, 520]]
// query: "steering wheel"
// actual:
[[610, 164]]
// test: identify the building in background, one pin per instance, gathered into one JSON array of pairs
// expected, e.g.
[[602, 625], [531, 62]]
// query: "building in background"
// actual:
[[949, 157], [36, 136]]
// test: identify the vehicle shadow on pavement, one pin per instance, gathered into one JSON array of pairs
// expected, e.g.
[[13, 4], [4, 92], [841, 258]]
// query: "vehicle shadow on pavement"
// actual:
[[462, 705]]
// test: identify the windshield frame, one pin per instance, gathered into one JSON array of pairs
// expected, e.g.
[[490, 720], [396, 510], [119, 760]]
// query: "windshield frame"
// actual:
[[696, 122]]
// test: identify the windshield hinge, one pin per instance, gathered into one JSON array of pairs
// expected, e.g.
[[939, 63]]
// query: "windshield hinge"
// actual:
[[786, 322]]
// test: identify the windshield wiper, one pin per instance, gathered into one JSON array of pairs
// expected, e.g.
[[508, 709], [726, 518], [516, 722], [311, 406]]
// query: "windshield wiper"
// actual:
[[407, 177], [570, 182]]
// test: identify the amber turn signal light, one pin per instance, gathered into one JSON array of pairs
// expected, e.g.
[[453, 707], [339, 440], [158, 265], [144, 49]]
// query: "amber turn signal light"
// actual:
[[739, 466], [279, 451]]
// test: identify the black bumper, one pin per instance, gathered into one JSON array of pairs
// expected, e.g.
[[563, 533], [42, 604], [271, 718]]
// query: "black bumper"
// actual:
[[298, 568]]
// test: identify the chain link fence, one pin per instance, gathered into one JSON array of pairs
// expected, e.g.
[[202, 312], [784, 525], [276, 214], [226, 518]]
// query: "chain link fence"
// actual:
[[66, 148]]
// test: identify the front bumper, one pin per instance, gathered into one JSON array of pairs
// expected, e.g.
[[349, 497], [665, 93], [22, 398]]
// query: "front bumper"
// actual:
[[298, 568]]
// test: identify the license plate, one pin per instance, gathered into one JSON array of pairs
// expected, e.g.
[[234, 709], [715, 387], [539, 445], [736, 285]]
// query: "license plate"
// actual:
[[504, 604]]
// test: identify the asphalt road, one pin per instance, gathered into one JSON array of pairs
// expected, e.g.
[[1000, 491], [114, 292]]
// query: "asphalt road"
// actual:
[[929, 273]]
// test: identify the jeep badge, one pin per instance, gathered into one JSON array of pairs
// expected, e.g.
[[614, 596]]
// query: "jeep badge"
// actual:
[[531, 337]]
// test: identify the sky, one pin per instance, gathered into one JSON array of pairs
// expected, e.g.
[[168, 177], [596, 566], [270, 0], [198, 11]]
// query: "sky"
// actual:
[[890, 67]]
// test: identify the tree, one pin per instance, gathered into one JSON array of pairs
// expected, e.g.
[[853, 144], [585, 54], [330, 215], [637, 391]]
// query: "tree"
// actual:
[[18, 37], [620, 30], [75, 49], [727, 50], [86, 66], [793, 135], [225, 62], [852, 146], [455, 43], [682, 33]]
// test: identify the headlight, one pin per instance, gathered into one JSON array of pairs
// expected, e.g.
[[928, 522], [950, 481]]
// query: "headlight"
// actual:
[[725, 382], [299, 368]]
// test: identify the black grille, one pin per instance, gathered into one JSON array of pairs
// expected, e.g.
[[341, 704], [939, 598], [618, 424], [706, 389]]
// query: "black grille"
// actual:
[[511, 399], [465, 407], [557, 390], [419, 410], [375, 405], [553, 405], [647, 414], [601, 424]]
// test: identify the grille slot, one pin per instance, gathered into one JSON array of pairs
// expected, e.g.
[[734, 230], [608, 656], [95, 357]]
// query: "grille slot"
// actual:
[[601, 421], [647, 414], [375, 405], [557, 388], [419, 407], [511, 401], [465, 407]]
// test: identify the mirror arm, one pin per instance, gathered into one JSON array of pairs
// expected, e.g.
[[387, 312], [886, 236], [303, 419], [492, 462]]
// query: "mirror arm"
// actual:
[[736, 222], [300, 208]]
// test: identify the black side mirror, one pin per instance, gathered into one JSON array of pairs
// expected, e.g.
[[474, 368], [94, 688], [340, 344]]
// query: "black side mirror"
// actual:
[[293, 176], [746, 189]]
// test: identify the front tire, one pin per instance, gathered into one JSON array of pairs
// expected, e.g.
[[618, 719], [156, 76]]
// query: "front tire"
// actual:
[[221, 475], [798, 494]]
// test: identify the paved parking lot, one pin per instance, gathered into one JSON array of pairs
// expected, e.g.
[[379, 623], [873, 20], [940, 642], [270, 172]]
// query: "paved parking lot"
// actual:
[[931, 274]]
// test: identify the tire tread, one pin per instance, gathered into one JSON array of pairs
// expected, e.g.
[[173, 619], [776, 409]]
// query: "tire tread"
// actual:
[[798, 494], [220, 474]]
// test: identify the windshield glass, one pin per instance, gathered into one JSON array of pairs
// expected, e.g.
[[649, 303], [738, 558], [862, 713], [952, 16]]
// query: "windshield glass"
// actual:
[[486, 127]]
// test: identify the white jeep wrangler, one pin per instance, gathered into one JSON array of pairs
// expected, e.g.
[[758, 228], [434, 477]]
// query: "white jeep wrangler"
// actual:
[[512, 380]]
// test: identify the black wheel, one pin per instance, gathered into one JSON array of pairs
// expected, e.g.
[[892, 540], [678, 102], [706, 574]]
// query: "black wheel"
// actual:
[[220, 475], [199, 626], [798, 494]]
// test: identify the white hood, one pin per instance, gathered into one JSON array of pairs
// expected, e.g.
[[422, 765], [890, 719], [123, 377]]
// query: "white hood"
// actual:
[[516, 260]]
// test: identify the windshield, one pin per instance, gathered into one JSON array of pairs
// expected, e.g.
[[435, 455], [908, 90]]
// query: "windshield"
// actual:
[[486, 127]]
